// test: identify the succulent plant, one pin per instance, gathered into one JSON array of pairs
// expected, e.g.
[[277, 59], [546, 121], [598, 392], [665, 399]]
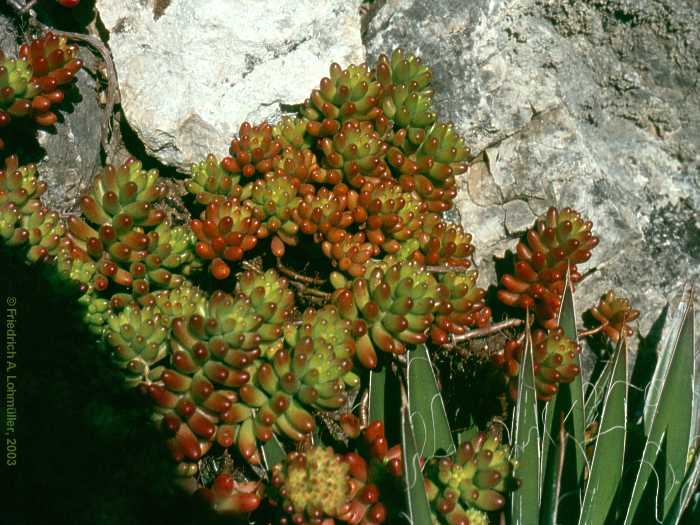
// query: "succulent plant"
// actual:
[[254, 152], [555, 361], [210, 180], [403, 69], [321, 486], [31, 84], [225, 231], [357, 151], [442, 243], [558, 242], [614, 313], [440, 157], [477, 478], [462, 307], [394, 303], [291, 132], [349, 93], [20, 186], [236, 369], [276, 197], [230, 497], [137, 338]]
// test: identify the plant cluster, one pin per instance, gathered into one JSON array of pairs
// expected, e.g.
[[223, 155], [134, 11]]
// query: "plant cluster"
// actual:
[[316, 267]]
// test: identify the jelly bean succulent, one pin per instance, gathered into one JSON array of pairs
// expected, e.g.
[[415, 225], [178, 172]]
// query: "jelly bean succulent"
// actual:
[[316, 296]]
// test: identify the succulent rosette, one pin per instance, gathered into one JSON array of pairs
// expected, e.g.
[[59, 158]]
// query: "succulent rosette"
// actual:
[[10, 230], [322, 486], [20, 186], [463, 306], [225, 231], [440, 157], [137, 339], [403, 69], [254, 152], [394, 303], [555, 361], [185, 300], [30, 85], [556, 244], [392, 215], [477, 479], [614, 313], [357, 151], [347, 94], [291, 132], [302, 165], [44, 232], [276, 196], [442, 243], [210, 180]]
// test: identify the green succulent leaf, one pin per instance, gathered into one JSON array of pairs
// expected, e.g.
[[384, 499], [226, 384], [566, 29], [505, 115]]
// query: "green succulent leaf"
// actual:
[[377, 389], [417, 506], [608, 457], [431, 428], [566, 408], [668, 415], [524, 508]]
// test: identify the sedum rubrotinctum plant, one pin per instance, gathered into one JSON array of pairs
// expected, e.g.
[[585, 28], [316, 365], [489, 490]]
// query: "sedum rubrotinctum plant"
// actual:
[[286, 328]]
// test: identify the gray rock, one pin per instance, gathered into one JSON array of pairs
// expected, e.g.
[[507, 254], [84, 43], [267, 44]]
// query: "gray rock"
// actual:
[[72, 150], [191, 72], [588, 104]]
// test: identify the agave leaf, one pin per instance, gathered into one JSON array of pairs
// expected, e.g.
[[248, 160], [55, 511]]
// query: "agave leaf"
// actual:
[[524, 508], [417, 505], [608, 457], [688, 490], [273, 452], [377, 388], [431, 428], [668, 414], [567, 407], [596, 396]]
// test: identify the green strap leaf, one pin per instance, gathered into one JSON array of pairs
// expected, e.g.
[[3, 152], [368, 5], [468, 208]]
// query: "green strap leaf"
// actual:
[[524, 508], [431, 428], [668, 415], [377, 389], [608, 457], [417, 505], [273, 452], [567, 406]]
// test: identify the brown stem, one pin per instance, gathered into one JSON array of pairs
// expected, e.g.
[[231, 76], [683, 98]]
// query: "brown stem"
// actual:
[[487, 330], [297, 276], [446, 269], [311, 292], [593, 331]]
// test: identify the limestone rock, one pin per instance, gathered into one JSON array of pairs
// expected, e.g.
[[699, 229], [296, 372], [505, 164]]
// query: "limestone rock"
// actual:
[[191, 72], [592, 105]]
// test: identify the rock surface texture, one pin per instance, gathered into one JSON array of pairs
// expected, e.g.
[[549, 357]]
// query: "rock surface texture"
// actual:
[[589, 104], [191, 72]]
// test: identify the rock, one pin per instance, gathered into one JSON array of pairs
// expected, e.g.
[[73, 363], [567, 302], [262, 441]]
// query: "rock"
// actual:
[[72, 151], [191, 72], [592, 105]]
